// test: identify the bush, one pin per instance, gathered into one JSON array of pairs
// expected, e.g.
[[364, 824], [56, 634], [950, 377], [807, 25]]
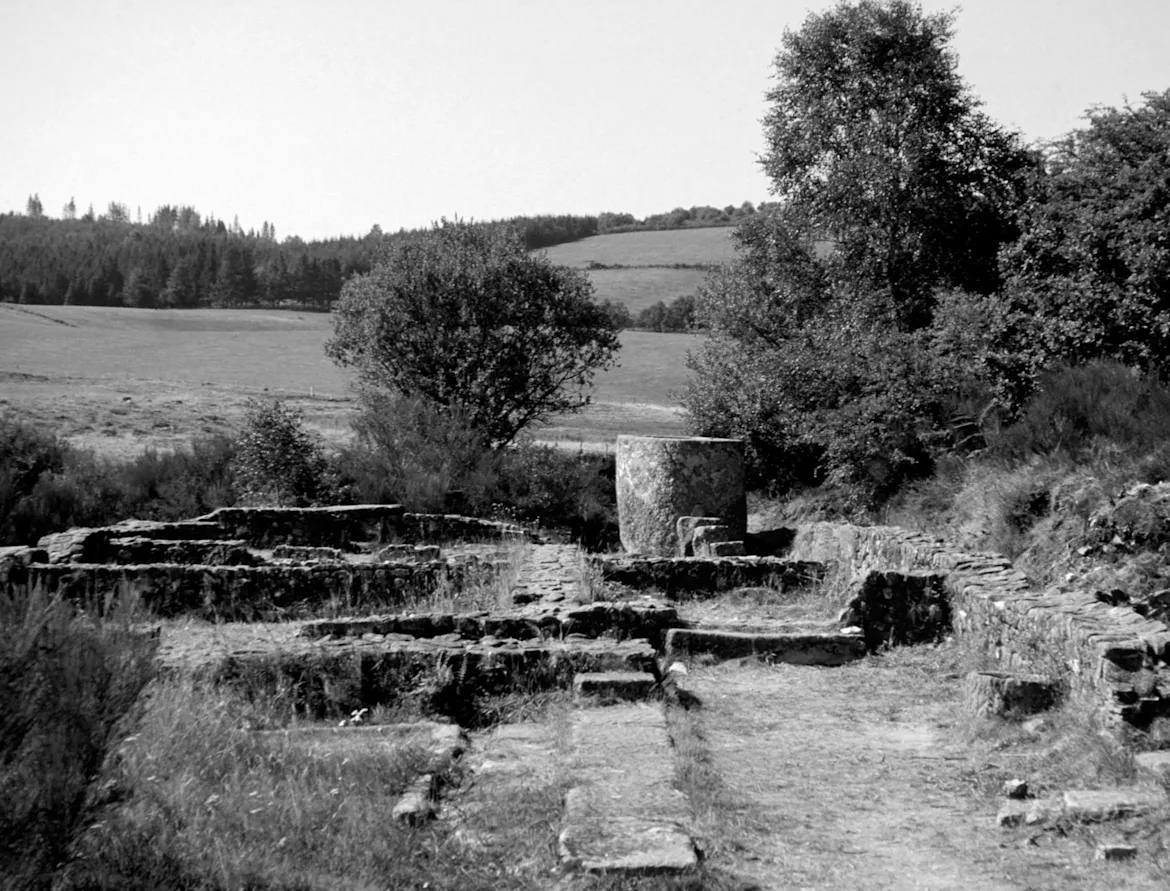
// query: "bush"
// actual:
[[277, 461], [46, 486], [1074, 410]]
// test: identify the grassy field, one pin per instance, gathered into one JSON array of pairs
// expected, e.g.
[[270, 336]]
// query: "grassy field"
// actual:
[[116, 380], [690, 246], [640, 287]]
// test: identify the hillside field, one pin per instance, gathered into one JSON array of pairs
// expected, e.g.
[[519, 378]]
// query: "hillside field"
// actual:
[[117, 380], [705, 247]]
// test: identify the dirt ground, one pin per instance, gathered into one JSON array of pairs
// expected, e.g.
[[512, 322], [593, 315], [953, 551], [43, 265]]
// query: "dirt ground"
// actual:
[[863, 777]]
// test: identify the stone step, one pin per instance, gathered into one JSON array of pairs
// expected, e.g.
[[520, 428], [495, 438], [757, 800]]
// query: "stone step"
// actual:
[[801, 648], [608, 687], [339, 676], [549, 574], [623, 814]]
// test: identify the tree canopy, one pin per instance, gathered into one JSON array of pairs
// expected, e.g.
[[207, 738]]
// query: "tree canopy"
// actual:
[[875, 142], [1090, 276], [464, 317], [828, 361]]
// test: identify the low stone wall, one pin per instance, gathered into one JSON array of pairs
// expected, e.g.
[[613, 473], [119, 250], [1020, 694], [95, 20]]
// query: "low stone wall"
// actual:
[[240, 593], [1109, 654], [683, 577]]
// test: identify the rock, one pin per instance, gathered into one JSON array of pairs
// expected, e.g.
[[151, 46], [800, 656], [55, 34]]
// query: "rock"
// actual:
[[660, 479], [1115, 851], [1016, 789], [417, 804], [1002, 695], [1111, 804], [1155, 763], [685, 529]]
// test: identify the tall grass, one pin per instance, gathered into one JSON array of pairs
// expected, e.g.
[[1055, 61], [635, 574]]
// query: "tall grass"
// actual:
[[68, 679], [210, 804]]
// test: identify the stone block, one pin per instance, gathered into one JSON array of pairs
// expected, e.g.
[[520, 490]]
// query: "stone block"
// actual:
[[1156, 764], [614, 686], [660, 479], [996, 694], [685, 529], [726, 549], [795, 648], [1094, 805]]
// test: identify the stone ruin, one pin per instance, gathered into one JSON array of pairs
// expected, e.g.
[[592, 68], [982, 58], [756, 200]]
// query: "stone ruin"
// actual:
[[683, 526]]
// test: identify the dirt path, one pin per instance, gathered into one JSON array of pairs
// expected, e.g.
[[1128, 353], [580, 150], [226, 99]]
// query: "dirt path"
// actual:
[[841, 778]]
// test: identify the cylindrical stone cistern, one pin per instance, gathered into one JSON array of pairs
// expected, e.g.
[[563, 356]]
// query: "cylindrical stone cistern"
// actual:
[[660, 479]]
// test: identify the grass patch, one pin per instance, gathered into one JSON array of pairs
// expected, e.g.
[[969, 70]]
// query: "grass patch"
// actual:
[[200, 801], [69, 677]]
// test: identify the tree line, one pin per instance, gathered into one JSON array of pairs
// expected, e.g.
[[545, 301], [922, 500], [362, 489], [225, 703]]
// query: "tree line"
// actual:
[[178, 259]]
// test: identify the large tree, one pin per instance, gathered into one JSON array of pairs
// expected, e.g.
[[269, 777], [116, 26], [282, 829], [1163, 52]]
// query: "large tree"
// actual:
[[464, 317], [894, 188], [875, 143]]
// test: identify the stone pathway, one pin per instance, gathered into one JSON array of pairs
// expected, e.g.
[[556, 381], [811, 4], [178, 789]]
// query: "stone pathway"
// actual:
[[549, 574], [623, 813]]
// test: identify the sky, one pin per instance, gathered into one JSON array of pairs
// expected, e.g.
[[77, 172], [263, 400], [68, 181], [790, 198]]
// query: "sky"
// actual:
[[325, 118]]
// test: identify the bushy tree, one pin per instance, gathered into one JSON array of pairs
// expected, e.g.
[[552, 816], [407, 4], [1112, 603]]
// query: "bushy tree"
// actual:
[[1090, 276], [825, 353], [277, 461], [464, 317], [875, 143]]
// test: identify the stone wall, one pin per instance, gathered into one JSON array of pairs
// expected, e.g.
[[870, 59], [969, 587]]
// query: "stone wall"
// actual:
[[680, 578], [242, 593], [1109, 654]]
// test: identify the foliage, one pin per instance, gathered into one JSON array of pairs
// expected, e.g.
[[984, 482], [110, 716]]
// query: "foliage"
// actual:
[[678, 316], [47, 486], [1092, 267], [68, 677], [427, 458], [831, 360], [463, 317], [875, 143], [277, 461], [1075, 409]]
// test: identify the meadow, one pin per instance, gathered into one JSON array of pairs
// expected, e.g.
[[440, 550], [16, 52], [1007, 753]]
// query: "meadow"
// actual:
[[116, 380], [692, 247]]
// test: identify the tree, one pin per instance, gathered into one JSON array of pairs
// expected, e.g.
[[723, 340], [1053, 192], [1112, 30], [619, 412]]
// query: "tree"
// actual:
[[827, 361], [875, 143], [465, 318], [34, 208], [1089, 277], [277, 461], [69, 211]]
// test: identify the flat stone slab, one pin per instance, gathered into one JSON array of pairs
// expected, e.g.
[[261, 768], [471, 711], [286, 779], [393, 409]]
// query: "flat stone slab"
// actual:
[[623, 813], [614, 686], [1154, 763], [833, 648], [437, 745], [1083, 806], [1111, 804]]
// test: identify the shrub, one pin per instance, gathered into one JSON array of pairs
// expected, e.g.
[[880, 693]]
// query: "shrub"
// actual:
[[1075, 409], [277, 461]]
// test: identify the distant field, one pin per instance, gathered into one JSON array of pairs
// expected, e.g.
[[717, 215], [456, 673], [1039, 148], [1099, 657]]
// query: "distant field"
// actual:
[[691, 246], [639, 288], [119, 379]]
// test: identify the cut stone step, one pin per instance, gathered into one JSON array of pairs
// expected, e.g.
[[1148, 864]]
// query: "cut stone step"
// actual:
[[605, 687], [832, 648], [623, 814]]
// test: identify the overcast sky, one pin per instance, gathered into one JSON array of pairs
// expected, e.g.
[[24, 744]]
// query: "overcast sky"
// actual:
[[328, 117]]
